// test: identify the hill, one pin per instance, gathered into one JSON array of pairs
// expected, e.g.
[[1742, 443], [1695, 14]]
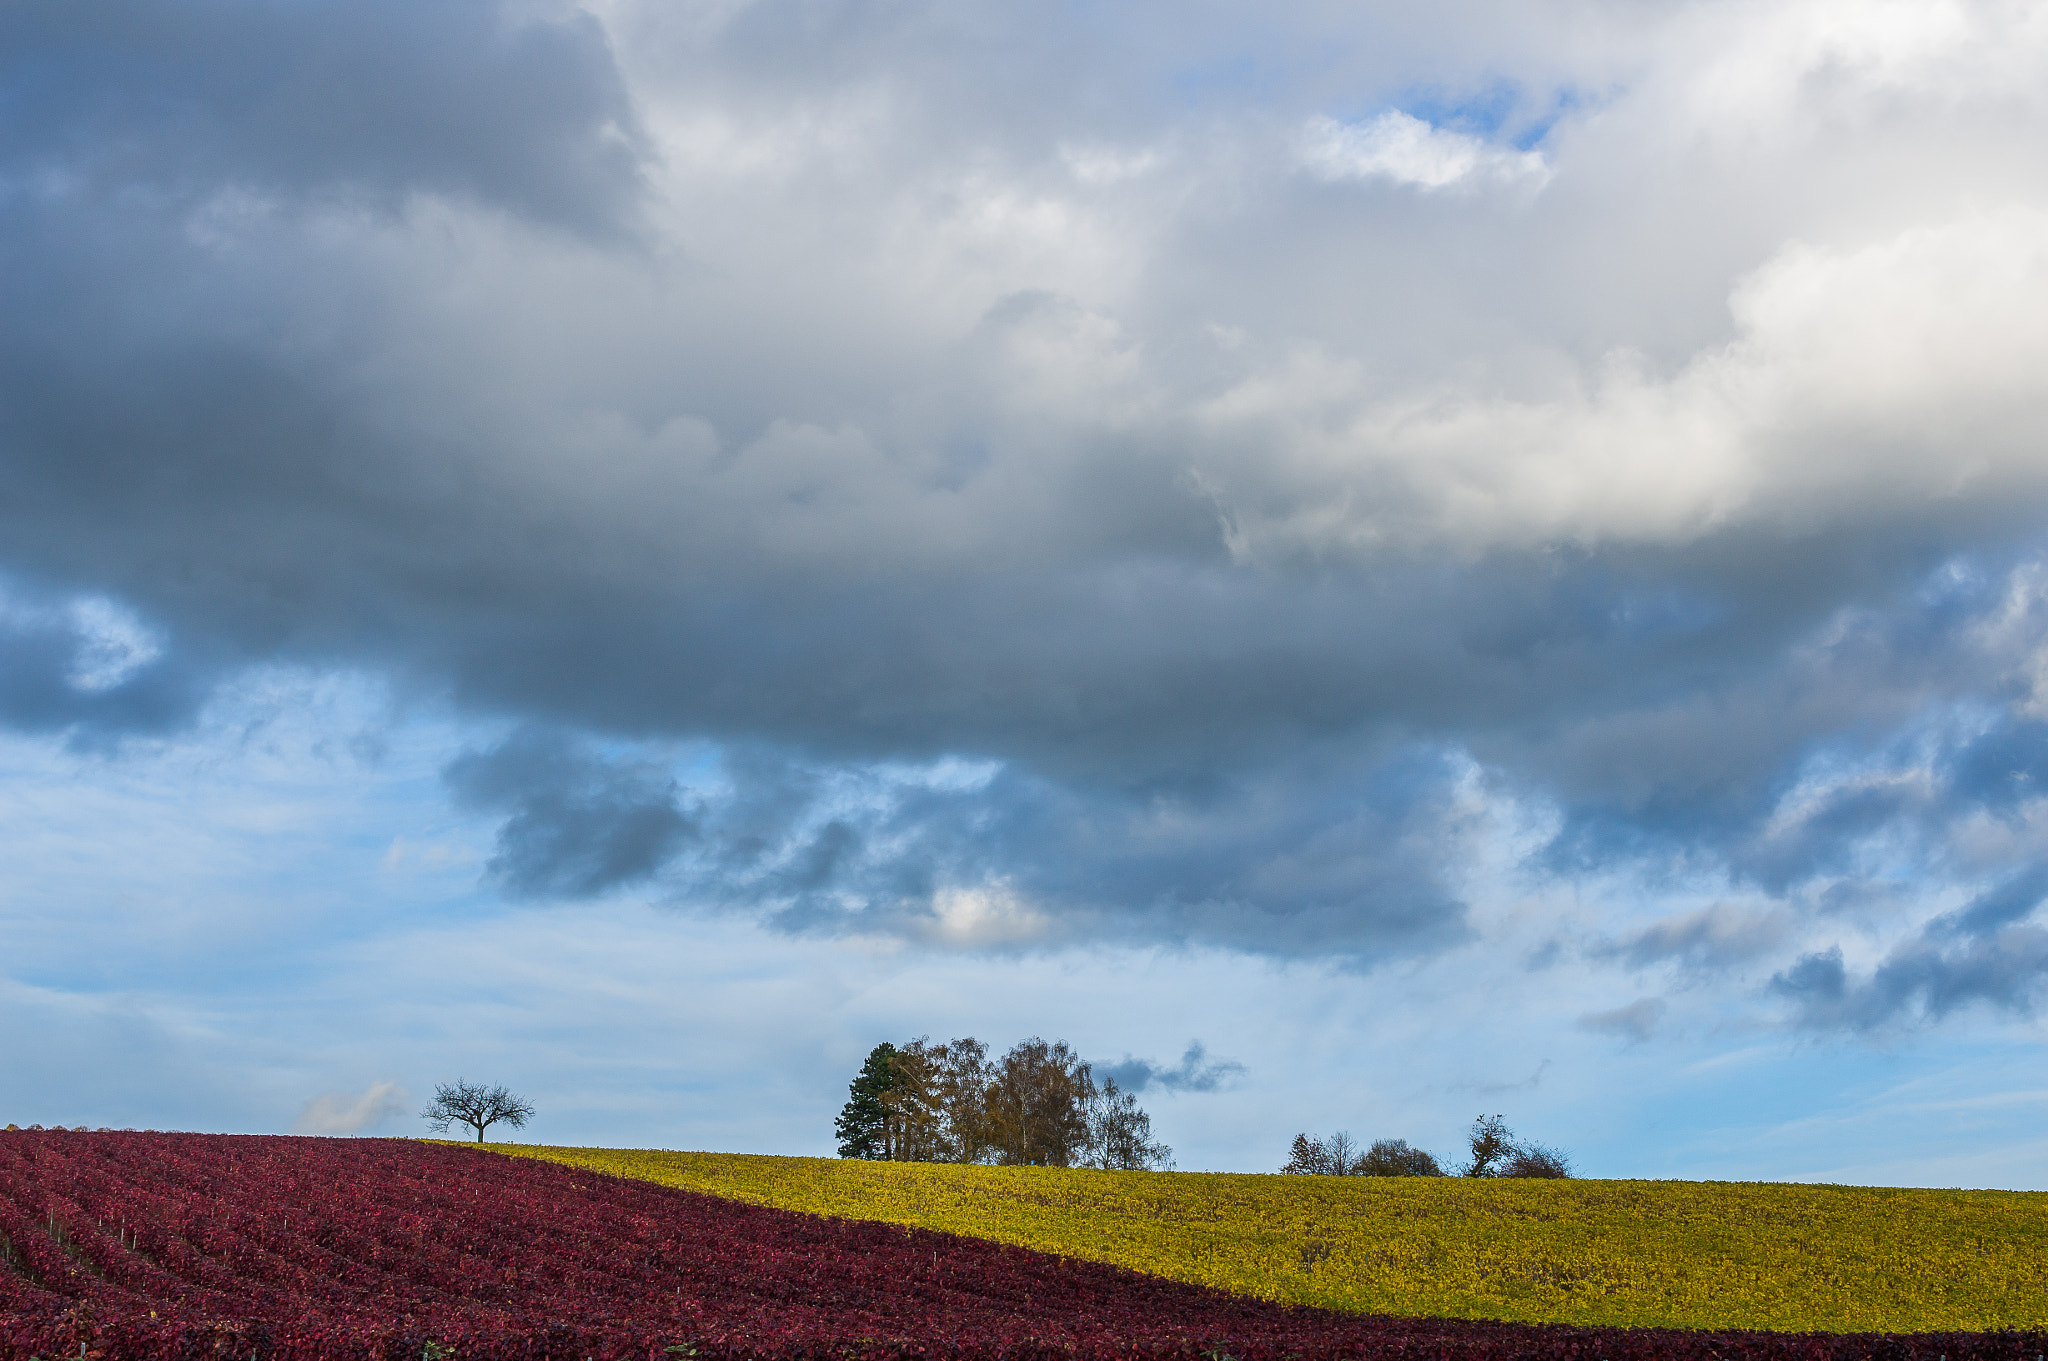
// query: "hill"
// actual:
[[1669, 1254]]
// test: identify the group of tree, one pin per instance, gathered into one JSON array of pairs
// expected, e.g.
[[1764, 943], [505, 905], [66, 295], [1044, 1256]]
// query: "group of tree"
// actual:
[[1038, 1105], [1492, 1151]]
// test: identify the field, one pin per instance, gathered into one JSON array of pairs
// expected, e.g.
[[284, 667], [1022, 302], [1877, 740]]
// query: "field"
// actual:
[[1669, 1254], [166, 1247], [180, 1246]]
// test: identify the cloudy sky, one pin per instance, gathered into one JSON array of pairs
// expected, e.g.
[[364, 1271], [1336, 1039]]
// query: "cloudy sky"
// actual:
[[1362, 564]]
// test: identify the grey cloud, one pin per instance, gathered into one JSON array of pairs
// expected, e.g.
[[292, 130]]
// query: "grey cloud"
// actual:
[[1985, 953], [997, 857], [904, 433], [2002, 905], [342, 1113], [577, 824], [1919, 980], [1710, 938], [373, 99], [1196, 1072], [43, 655], [2003, 767], [1527, 1084], [1638, 1021]]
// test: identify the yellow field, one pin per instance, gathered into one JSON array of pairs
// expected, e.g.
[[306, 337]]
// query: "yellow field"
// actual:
[[1679, 1254]]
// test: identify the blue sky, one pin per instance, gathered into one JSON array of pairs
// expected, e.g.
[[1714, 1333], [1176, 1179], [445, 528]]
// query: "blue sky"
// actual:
[[1363, 568]]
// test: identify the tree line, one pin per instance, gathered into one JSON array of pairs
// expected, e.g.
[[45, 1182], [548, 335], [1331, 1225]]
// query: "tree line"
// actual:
[[1038, 1105], [1492, 1151]]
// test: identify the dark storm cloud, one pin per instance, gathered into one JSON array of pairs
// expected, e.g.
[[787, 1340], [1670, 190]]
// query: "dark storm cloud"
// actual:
[[1711, 762], [1196, 1072], [377, 100], [1250, 543], [46, 685], [837, 849], [576, 824]]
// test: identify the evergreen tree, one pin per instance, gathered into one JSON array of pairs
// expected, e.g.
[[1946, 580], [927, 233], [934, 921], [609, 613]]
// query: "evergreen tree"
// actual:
[[863, 1124], [1306, 1158]]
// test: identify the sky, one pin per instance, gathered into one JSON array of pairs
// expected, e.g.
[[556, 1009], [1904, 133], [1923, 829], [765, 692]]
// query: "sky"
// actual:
[[1364, 565]]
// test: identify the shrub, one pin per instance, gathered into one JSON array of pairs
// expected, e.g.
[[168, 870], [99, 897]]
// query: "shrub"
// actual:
[[1394, 1158], [1536, 1160], [1497, 1153]]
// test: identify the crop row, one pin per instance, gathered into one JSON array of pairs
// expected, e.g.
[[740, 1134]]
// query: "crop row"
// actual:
[[182, 1246]]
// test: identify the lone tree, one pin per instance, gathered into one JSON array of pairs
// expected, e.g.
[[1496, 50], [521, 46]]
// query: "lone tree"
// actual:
[[475, 1105]]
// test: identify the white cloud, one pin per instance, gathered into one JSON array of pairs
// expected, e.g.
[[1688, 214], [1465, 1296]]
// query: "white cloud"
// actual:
[[984, 916], [1400, 147], [113, 644], [340, 1113], [1863, 378]]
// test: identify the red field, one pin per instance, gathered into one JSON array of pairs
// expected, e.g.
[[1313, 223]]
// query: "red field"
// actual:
[[183, 1245]]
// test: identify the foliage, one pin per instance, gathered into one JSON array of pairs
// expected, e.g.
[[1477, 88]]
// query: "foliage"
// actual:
[[1338, 1156], [1038, 1106], [863, 1123], [1674, 1254], [1537, 1160], [471, 1103], [1497, 1153], [1492, 1144], [163, 1247], [1394, 1158]]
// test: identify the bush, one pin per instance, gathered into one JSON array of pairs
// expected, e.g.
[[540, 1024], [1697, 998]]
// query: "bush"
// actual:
[[1497, 1153], [1394, 1158], [1536, 1160]]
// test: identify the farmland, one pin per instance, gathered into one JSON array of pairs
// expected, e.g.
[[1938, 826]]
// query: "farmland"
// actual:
[[176, 1247], [1671, 1254]]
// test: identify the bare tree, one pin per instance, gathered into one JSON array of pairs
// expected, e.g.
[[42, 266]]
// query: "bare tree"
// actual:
[[1537, 1160], [1120, 1134], [1336, 1156], [475, 1105]]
